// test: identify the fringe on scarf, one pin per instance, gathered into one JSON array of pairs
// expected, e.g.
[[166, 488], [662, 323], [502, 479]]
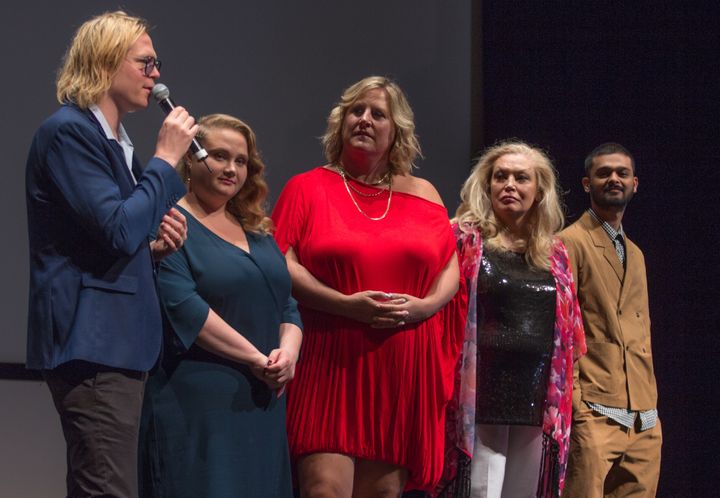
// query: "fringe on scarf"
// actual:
[[549, 481], [459, 486]]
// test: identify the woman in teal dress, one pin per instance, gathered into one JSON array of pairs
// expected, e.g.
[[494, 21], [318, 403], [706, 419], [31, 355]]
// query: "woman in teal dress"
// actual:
[[214, 413]]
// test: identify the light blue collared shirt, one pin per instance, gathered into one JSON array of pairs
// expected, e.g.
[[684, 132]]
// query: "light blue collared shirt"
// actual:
[[123, 139]]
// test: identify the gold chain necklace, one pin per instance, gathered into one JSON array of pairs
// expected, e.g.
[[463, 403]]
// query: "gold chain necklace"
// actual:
[[342, 172], [380, 181], [365, 194]]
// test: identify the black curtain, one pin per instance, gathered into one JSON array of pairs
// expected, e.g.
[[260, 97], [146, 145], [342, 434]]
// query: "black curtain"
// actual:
[[568, 76]]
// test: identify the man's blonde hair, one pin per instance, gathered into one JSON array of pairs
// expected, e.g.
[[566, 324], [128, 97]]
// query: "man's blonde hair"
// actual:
[[99, 47]]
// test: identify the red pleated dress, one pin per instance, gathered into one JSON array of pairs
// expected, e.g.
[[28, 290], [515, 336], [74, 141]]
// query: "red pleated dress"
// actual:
[[376, 394]]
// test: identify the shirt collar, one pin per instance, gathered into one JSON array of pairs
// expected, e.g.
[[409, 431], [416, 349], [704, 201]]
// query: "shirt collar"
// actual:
[[123, 137], [612, 233]]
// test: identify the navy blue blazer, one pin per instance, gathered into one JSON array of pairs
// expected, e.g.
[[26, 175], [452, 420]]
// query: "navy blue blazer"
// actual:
[[92, 283]]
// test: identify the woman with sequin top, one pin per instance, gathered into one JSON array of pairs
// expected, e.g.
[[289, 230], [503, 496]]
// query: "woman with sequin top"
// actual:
[[511, 413]]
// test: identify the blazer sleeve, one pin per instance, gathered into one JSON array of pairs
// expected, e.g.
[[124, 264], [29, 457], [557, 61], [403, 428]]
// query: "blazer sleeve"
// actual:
[[80, 166]]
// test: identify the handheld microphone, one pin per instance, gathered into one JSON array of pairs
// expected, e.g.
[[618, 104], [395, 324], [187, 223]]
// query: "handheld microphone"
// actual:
[[161, 94]]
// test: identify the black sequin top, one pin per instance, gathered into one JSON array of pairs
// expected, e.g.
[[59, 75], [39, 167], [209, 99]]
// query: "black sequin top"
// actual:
[[515, 322]]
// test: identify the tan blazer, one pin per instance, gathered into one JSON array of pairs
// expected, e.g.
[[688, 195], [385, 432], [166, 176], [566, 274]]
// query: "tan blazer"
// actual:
[[618, 369]]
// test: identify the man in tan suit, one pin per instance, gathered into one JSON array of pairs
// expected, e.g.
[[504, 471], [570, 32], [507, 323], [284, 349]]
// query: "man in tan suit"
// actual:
[[616, 436]]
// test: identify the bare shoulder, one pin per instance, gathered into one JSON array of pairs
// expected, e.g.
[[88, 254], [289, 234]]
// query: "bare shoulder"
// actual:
[[419, 187]]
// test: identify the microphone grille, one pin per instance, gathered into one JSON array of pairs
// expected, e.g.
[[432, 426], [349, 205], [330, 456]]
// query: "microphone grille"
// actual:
[[160, 92]]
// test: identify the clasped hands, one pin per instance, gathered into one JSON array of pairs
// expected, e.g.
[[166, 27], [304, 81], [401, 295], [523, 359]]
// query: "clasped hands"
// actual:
[[276, 370], [384, 310], [171, 235]]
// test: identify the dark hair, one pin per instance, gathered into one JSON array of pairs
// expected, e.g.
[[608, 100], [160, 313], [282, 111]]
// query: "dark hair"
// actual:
[[604, 150]]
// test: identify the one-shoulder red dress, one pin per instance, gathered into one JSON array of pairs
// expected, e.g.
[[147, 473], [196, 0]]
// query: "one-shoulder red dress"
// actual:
[[376, 394]]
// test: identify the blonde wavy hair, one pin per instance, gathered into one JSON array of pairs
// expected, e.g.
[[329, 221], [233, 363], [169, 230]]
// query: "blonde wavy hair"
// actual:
[[98, 48], [248, 205], [405, 148], [546, 217]]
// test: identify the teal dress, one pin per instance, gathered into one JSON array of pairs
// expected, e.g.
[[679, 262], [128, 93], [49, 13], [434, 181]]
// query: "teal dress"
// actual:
[[209, 427]]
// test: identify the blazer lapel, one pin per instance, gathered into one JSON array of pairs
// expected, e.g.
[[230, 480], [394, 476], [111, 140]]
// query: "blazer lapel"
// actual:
[[630, 255], [118, 159], [601, 240]]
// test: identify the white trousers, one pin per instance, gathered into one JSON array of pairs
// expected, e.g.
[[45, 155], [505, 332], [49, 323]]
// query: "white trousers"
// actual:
[[506, 461]]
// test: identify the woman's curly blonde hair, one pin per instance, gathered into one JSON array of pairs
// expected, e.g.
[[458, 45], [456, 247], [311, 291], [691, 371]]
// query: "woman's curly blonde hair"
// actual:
[[405, 148], [546, 217], [248, 205]]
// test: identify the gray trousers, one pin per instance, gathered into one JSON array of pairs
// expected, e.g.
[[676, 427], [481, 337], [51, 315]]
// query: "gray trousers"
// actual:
[[99, 410]]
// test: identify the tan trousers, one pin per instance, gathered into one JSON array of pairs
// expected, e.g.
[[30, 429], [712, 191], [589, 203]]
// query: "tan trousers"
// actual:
[[609, 460]]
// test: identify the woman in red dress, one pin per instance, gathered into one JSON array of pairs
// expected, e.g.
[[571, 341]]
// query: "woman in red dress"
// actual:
[[373, 264]]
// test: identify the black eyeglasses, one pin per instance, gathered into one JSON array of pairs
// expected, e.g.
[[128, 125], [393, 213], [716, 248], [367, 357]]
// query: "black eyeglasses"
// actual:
[[150, 64]]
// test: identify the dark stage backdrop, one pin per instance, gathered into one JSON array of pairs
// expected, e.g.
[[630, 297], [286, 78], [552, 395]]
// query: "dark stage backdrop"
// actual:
[[570, 75]]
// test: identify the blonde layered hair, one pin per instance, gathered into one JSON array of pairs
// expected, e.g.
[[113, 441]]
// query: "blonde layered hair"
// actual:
[[99, 47], [248, 205], [546, 216], [405, 148]]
